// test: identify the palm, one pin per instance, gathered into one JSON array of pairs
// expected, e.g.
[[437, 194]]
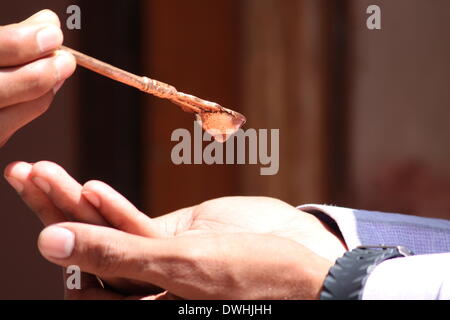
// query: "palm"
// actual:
[[258, 215], [255, 215], [252, 215]]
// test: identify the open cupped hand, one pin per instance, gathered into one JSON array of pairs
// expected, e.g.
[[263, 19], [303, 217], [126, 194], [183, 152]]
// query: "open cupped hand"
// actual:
[[238, 247]]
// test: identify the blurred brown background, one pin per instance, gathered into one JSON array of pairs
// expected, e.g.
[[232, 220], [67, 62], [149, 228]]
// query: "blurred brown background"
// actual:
[[363, 115]]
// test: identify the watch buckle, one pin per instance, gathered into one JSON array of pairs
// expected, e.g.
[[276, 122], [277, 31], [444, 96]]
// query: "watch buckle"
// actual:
[[401, 249]]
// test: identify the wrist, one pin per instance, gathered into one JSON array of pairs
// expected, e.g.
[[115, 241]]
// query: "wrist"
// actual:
[[311, 271], [318, 276]]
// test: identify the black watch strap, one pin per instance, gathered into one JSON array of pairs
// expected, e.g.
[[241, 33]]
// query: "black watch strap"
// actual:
[[346, 279]]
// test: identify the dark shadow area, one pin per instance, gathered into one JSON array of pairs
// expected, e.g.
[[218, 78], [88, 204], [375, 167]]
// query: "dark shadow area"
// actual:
[[110, 111]]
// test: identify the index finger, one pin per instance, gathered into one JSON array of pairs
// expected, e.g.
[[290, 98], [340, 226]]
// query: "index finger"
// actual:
[[30, 40], [65, 192]]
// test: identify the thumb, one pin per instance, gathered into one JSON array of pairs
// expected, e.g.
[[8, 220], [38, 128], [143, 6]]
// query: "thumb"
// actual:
[[108, 252]]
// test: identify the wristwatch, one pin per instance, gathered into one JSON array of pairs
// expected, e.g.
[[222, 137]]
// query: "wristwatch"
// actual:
[[346, 279]]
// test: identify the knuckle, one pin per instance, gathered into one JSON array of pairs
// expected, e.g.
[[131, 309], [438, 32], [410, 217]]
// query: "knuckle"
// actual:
[[192, 264], [106, 259], [121, 223], [15, 39], [11, 40]]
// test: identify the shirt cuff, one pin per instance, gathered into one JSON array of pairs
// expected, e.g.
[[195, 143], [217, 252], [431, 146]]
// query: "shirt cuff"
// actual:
[[361, 227], [423, 277]]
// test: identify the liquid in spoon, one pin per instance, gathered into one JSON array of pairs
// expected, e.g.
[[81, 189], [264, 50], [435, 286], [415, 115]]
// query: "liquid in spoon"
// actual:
[[221, 125]]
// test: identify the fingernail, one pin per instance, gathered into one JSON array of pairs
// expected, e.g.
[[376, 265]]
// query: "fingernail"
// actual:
[[49, 38], [64, 64], [18, 186], [42, 184], [92, 198], [56, 242], [58, 86]]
